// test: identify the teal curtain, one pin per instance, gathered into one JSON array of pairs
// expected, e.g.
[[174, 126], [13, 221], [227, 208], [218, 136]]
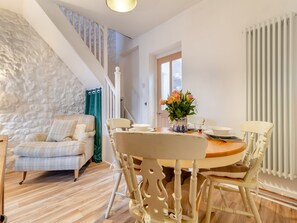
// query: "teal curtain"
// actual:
[[93, 107]]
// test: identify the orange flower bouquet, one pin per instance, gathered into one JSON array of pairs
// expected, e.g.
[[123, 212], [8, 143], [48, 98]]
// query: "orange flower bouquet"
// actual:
[[179, 105]]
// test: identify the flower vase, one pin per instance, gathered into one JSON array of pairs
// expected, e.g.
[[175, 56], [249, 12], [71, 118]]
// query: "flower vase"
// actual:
[[180, 125]]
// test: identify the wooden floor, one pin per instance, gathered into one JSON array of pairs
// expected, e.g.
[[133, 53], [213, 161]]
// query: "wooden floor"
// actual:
[[54, 197]]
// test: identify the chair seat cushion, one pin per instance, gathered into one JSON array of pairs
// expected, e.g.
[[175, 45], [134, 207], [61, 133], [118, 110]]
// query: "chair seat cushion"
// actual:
[[237, 170], [50, 149]]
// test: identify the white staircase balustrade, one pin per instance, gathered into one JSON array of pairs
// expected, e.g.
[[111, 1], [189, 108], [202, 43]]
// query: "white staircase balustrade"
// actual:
[[113, 95], [94, 36], [89, 31]]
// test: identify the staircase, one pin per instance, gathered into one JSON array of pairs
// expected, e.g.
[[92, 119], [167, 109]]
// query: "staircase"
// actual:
[[94, 36]]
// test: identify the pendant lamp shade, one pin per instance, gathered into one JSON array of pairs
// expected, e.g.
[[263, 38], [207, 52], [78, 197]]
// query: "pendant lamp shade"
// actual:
[[121, 5]]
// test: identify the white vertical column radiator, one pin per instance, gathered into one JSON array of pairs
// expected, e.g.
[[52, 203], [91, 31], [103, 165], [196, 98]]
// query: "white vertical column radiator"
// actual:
[[269, 54]]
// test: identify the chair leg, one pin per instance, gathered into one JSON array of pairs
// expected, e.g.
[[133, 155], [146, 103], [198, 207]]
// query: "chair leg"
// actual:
[[24, 177], [253, 205], [209, 202], [205, 190], [245, 202], [113, 194], [76, 172]]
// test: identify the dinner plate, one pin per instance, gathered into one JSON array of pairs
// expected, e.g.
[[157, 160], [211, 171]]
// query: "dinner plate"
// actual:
[[147, 130], [210, 133]]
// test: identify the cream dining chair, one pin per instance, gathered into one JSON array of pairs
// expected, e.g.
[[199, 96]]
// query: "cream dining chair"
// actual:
[[244, 174], [112, 126], [150, 202]]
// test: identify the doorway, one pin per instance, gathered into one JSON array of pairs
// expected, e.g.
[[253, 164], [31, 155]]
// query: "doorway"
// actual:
[[169, 78]]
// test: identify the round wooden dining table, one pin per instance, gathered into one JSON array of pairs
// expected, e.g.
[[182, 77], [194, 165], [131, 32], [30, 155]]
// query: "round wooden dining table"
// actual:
[[218, 153]]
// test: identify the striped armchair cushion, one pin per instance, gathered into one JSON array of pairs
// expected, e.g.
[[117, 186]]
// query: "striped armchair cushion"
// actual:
[[50, 149], [61, 130]]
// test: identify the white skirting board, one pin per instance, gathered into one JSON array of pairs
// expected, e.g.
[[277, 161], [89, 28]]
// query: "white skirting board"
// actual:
[[279, 185]]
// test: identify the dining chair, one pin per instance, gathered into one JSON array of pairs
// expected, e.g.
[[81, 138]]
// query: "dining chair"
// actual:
[[149, 201], [3, 148], [113, 125], [244, 174]]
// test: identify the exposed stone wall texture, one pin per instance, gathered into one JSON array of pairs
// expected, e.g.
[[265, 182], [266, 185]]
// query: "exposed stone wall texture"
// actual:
[[35, 85]]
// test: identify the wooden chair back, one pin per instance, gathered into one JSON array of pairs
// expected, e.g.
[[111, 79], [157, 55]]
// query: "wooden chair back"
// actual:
[[151, 198], [112, 125], [3, 148], [257, 135]]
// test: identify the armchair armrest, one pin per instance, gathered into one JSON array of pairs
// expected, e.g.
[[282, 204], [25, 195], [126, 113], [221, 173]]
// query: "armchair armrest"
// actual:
[[36, 137], [91, 134], [87, 135]]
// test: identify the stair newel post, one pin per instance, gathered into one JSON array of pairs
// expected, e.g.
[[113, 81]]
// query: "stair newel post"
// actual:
[[117, 74]]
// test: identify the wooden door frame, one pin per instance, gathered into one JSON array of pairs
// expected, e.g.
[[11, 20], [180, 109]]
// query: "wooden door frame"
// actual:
[[168, 58]]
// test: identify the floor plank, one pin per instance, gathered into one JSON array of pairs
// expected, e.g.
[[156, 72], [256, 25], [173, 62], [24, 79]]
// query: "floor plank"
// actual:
[[54, 197]]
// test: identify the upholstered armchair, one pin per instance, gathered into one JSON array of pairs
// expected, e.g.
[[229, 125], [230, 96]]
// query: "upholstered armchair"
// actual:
[[68, 146]]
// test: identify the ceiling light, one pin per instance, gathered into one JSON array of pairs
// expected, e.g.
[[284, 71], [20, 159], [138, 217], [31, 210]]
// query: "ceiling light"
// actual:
[[121, 5]]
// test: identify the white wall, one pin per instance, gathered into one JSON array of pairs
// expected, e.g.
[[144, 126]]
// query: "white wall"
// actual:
[[35, 85], [213, 50], [129, 65], [12, 5]]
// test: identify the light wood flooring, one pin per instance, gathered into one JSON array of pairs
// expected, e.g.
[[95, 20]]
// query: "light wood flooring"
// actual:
[[54, 197]]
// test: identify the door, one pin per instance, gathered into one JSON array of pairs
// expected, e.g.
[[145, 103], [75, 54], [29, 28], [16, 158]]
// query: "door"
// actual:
[[169, 71]]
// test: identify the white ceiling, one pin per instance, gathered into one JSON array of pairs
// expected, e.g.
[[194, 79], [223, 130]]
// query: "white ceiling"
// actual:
[[147, 14]]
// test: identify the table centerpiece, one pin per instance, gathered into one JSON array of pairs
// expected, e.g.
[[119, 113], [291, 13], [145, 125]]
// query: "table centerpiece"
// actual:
[[179, 105]]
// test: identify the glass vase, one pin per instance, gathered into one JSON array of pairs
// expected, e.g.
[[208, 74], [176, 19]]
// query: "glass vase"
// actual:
[[180, 125]]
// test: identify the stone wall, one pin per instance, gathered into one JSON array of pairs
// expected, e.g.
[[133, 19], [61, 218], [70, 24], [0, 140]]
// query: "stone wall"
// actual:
[[35, 85]]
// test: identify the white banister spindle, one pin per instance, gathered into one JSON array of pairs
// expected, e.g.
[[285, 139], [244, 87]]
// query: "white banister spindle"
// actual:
[[85, 31], [111, 104], [95, 40], [90, 31], [73, 22], [117, 74], [107, 100], [79, 25], [105, 40], [99, 45]]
